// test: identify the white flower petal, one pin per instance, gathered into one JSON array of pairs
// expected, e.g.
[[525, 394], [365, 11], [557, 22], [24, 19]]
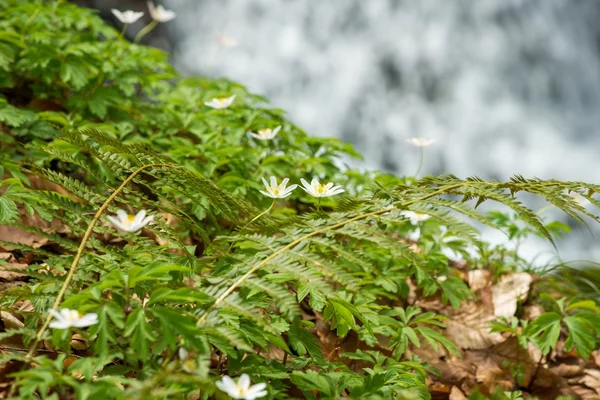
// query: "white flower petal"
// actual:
[[68, 314], [256, 395], [55, 314], [122, 214], [243, 382], [273, 182], [291, 187], [115, 222], [59, 325], [139, 217], [227, 385], [147, 220], [86, 320], [258, 387], [267, 194]]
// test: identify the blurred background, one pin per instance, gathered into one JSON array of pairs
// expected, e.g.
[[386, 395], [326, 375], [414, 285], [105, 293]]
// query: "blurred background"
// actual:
[[504, 86]]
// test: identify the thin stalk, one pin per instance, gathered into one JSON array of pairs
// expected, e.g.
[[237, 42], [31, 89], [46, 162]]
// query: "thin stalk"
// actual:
[[122, 32], [260, 264], [144, 31], [420, 161], [74, 264], [252, 220], [258, 216]]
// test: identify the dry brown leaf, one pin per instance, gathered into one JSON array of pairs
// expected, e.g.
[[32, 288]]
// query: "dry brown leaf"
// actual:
[[456, 394], [508, 291], [469, 327], [16, 235], [78, 342], [567, 371], [10, 321], [478, 279], [8, 272], [592, 380]]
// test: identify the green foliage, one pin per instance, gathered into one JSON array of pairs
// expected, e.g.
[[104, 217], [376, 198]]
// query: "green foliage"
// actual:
[[207, 289]]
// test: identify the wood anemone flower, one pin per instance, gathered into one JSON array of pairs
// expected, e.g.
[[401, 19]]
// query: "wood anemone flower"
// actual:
[[420, 142], [276, 191], [220, 103], [242, 389], [160, 14], [66, 318], [127, 17], [131, 223], [317, 189], [415, 217], [265, 134]]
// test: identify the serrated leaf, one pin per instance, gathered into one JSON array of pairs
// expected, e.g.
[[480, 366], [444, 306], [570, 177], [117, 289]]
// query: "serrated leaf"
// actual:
[[580, 335], [8, 210]]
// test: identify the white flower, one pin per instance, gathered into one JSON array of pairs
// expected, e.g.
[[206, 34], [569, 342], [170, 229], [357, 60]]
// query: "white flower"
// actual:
[[414, 217], [183, 354], [582, 201], [320, 190], [159, 14], [127, 17], [130, 223], [420, 142], [266, 134], [226, 41], [220, 103], [67, 318], [277, 191], [242, 389]]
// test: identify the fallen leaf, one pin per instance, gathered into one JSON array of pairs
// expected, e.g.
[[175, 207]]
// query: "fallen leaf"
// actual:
[[508, 291]]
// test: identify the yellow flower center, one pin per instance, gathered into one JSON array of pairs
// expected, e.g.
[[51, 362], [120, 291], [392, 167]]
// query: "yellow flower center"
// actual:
[[264, 132], [276, 191], [130, 218], [321, 188]]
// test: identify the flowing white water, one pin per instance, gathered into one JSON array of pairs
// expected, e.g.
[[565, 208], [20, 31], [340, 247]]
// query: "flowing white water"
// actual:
[[505, 86]]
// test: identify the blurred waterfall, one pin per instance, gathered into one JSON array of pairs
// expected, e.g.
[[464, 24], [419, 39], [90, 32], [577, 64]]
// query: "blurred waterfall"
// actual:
[[505, 86]]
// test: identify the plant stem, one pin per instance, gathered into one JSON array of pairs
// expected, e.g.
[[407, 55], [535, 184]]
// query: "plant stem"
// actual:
[[252, 220], [122, 32], [144, 31], [260, 264], [75, 262], [420, 161]]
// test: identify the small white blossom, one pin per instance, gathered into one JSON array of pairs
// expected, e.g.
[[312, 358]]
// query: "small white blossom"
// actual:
[[277, 191], [127, 17], [159, 14], [582, 201], [131, 223], [420, 142], [317, 189], [265, 134], [66, 318], [220, 103], [242, 389], [414, 217], [226, 41]]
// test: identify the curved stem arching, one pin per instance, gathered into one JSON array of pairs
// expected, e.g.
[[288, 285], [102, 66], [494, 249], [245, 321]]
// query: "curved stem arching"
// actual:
[[75, 262], [144, 31]]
